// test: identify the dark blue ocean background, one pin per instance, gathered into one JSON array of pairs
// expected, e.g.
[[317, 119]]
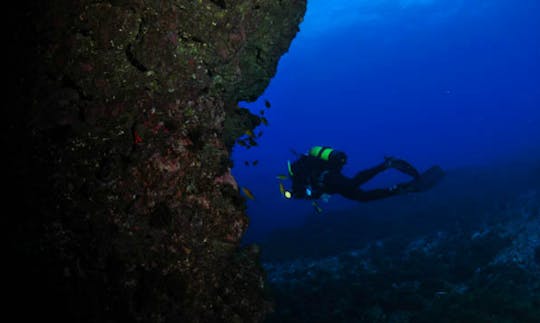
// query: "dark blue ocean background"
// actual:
[[454, 83]]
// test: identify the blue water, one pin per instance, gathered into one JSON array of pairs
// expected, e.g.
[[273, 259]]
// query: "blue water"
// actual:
[[454, 83]]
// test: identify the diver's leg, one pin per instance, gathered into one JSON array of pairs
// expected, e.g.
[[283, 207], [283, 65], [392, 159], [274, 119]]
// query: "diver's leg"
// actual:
[[390, 162], [380, 193], [402, 166], [335, 182], [371, 195], [365, 175]]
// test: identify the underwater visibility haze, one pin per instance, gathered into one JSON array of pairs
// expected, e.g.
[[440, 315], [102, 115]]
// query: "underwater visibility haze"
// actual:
[[163, 159], [452, 83]]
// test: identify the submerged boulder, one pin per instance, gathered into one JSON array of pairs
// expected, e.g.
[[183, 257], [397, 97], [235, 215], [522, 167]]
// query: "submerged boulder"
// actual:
[[118, 133]]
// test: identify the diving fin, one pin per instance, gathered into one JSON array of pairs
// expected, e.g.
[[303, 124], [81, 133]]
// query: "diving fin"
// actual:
[[402, 166], [427, 180]]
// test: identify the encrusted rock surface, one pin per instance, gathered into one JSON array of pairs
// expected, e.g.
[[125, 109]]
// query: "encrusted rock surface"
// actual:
[[487, 274], [117, 139]]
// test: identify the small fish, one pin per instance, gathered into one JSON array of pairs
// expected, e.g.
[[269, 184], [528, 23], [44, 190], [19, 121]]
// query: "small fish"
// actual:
[[282, 177], [248, 193], [281, 189], [267, 104], [255, 162], [242, 143], [264, 121], [259, 134], [318, 209], [294, 152], [246, 163], [249, 133], [262, 112], [252, 142]]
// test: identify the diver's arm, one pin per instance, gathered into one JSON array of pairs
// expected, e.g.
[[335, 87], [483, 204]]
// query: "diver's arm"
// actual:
[[299, 194], [298, 189]]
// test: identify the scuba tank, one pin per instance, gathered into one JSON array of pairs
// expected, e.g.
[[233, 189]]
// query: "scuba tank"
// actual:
[[334, 159]]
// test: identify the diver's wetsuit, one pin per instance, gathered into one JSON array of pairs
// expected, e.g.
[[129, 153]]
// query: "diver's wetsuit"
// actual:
[[310, 172], [337, 183]]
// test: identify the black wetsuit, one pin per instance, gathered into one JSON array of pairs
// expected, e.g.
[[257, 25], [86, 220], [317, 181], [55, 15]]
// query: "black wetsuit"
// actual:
[[312, 178]]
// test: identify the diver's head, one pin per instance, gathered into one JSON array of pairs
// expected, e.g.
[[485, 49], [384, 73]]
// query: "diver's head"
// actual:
[[337, 159]]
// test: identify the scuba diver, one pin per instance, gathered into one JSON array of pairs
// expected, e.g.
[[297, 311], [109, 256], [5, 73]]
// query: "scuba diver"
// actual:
[[317, 175]]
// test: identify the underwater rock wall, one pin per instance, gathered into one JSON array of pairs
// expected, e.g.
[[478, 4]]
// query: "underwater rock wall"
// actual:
[[117, 141]]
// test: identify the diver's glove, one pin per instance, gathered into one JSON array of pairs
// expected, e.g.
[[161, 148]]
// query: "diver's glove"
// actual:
[[401, 165]]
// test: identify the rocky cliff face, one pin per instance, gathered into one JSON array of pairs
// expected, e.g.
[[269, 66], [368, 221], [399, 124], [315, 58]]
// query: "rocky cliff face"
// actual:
[[117, 144]]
